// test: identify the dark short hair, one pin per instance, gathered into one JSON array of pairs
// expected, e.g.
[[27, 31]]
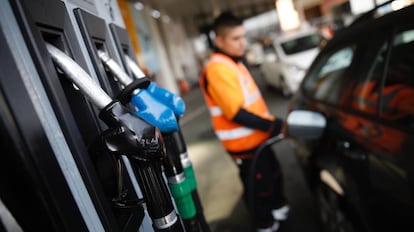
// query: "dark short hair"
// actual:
[[224, 21]]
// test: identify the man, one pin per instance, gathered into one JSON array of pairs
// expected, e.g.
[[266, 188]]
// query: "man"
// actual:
[[242, 122]]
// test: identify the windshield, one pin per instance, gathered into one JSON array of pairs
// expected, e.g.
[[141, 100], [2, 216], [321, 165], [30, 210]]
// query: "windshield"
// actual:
[[301, 44]]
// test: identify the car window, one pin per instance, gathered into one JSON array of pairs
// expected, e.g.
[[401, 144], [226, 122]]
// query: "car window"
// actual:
[[325, 81], [301, 44], [365, 98], [397, 103], [339, 60]]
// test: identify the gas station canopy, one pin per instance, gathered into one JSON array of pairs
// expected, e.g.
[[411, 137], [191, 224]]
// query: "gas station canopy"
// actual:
[[203, 11]]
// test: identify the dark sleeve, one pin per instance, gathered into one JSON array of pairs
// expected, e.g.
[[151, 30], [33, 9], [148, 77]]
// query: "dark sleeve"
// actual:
[[250, 120]]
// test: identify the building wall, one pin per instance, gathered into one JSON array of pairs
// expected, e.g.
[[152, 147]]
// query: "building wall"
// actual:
[[326, 5], [180, 50]]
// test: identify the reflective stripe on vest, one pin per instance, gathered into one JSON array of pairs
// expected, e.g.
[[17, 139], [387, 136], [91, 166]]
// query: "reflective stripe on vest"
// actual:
[[216, 111], [234, 133]]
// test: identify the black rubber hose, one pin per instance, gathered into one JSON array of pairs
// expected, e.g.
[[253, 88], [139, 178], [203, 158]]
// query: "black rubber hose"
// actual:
[[251, 177]]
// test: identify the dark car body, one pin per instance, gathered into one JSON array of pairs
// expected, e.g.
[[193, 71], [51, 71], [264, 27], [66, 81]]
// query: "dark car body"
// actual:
[[361, 170]]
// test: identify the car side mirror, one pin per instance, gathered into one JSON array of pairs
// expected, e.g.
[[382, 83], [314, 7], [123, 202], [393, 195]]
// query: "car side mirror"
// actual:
[[305, 124]]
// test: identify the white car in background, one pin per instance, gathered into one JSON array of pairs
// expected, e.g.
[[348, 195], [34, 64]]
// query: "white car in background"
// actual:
[[288, 58], [255, 54]]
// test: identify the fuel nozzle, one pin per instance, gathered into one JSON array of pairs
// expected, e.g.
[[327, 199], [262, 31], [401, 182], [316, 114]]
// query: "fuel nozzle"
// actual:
[[137, 92], [173, 101], [139, 135], [131, 135]]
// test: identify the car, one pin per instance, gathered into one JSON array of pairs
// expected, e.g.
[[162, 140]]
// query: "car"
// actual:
[[288, 58], [361, 168]]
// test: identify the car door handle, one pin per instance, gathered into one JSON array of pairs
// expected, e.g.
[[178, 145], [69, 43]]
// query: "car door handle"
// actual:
[[350, 152]]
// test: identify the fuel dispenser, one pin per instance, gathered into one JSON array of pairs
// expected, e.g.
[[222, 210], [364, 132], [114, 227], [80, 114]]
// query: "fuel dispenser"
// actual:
[[47, 22], [101, 51], [171, 100], [97, 38], [123, 45], [51, 183], [118, 76], [100, 150]]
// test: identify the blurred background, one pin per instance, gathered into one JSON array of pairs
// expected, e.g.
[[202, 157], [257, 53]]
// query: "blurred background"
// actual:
[[173, 38]]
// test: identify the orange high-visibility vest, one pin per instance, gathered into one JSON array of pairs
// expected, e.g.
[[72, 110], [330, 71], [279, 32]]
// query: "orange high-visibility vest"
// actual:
[[233, 136]]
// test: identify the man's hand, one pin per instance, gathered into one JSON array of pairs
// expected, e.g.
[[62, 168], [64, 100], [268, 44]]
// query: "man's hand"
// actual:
[[278, 127]]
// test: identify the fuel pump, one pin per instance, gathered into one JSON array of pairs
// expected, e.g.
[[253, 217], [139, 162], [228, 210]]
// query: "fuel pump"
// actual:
[[138, 93], [178, 106], [131, 136]]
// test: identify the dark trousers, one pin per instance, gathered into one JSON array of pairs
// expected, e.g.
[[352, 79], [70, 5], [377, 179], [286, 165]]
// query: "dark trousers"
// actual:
[[267, 187]]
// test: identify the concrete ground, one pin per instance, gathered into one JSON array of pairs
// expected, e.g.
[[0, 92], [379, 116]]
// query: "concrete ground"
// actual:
[[219, 186]]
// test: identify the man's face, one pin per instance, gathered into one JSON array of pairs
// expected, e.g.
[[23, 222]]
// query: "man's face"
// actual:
[[232, 41]]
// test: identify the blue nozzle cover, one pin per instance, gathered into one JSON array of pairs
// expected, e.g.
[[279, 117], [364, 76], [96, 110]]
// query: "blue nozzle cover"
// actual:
[[173, 101], [153, 112]]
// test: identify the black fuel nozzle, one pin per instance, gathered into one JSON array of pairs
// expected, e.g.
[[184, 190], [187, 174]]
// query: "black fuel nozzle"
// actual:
[[132, 134], [129, 91], [130, 84]]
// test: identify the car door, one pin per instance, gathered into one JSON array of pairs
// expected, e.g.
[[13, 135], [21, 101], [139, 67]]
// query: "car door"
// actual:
[[391, 140], [382, 123], [331, 83], [368, 145]]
